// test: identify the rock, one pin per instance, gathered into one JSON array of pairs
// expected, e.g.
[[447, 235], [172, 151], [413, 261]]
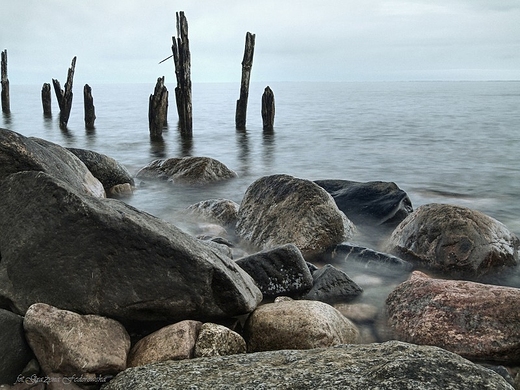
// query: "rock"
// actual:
[[474, 320], [101, 256], [71, 344], [104, 168], [19, 153], [358, 312], [120, 191], [278, 271], [282, 209], [221, 211], [173, 342], [392, 365], [455, 242], [297, 325], [372, 203], [15, 353], [217, 340], [332, 285], [187, 170]]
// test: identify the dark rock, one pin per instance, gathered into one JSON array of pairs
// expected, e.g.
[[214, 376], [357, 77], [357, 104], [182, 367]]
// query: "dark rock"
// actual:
[[332, 285], [456, 242], [477, 321], [104, 168], [187, 170], [282, 209], [371, 203], [101, 256], [391, 365], [221, 211], [15, 353], [19, 153], [278, 271]]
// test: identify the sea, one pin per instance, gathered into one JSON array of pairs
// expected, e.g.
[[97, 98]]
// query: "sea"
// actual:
[[440, 142]]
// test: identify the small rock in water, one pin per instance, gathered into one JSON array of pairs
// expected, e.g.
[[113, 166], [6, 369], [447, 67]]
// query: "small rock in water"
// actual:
[[332, 285]]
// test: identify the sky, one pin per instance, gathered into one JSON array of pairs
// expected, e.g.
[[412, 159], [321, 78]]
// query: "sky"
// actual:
[[119, 41]]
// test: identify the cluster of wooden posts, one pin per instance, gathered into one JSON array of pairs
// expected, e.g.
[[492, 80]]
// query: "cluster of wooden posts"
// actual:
[[158, 102]]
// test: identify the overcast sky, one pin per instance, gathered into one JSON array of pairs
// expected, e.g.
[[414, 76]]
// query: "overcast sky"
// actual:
[[296, 40]]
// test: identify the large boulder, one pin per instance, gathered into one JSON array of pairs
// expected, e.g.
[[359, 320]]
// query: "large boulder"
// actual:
[[101, 256], [373, 203], [302, 324], [71, 344], [455, 241], [391, 365], [282, 209], [104, 168], [19, 153], [278, 271], [187, 170], [15, 353], [474, 320]]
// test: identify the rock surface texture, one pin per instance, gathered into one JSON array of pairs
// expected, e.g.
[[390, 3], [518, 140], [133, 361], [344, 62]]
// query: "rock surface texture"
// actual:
[[388, 366], [455, 242], [221, 211], [474, 320], [15, 353], [217, 340], [101, 256], [282, 209]]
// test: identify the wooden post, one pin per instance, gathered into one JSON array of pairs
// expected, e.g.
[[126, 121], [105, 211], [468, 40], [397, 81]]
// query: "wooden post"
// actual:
[[182, 61], [247, 64], [6, 105], [64, 97], [46, 100], [90, 110], [268, 109], [158, 109]]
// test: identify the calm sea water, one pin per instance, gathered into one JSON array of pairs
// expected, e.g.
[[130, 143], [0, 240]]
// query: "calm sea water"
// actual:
[[449, 142]]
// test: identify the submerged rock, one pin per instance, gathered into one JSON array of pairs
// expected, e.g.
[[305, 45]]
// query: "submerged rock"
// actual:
[[187, 170], [282, 209], [391, 365], [221, 211], [455, 241], [474, 320]]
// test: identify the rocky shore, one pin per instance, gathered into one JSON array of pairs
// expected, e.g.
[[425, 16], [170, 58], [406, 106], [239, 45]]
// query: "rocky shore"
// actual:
[[97, 294]]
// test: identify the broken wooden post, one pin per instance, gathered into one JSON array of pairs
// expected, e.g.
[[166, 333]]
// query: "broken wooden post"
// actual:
[[182, 61], [158, 109], [247, 64], [6, 105], [90, 110], [46, 100], [268, 109], [64, 97]]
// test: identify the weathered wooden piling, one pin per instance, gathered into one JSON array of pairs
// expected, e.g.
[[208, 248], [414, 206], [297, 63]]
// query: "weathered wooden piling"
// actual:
[[64, 97], [90, 110], [247, 64], [158, 109], [46, 100], [268, 109], [6, 105], [182, 61]]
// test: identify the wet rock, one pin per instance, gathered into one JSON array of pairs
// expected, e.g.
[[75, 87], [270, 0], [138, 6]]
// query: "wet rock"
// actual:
[[455, 242], [14, 350], [372, 203], [474, 320], [19, 153], [392, 365], [282, 209], [221, 211], [120, 191], [187, 170], [217, 340], [101, 256], [173, 342], [297, 325], [358, 312], [72, 344], [332, 285], [278, 271], [104, 168]]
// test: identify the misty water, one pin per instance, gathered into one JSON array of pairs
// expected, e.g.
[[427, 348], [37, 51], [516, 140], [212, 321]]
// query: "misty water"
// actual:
[[444, 142]]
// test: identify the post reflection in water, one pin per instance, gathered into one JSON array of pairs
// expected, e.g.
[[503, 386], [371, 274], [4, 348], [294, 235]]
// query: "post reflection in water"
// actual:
[[157, 147], [269, 149], [7, 118], [243, 151]]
